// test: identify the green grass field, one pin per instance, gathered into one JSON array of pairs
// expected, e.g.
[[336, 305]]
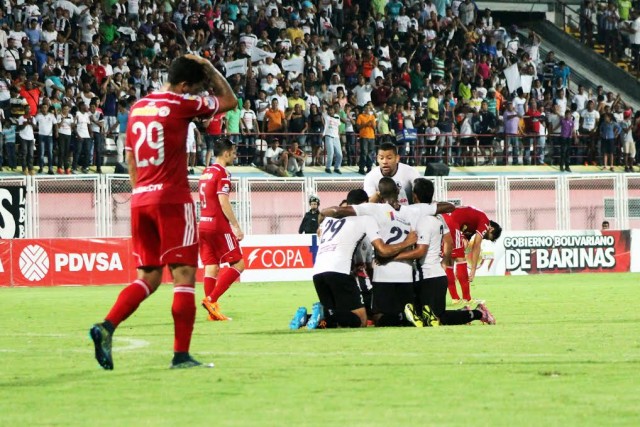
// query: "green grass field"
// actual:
[[565, 351]]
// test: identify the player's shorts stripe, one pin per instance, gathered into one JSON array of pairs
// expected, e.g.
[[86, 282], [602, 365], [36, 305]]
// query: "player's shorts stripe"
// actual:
[[189, 229], [229, 241], [185, 289], [144, 285]]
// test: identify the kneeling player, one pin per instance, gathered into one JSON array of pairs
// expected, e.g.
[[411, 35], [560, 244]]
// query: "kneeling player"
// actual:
[[431, 281], [219, 229], [341, 303]]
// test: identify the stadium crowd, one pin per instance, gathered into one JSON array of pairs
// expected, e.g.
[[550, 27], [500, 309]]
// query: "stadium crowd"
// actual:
[[324, 83]]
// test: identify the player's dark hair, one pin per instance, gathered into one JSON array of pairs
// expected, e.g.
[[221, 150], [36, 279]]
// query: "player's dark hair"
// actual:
[[388, 189], [388, 146], [186, 70], [357, 196], [497, 230], [222, 145], [423, 189]]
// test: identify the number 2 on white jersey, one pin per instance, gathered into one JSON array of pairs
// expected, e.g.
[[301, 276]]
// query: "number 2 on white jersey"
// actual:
[[153, 135]]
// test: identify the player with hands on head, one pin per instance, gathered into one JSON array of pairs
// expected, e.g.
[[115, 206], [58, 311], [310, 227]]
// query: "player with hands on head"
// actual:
[[163, 219]]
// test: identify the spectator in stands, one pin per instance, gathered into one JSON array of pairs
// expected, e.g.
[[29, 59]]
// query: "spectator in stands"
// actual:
[[276, 159], [366, 123], [609, 131]]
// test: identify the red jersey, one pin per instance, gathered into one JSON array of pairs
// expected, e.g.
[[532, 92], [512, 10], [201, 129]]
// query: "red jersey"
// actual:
[[215, 126], [215, 180], [157, 137], [468, 220]]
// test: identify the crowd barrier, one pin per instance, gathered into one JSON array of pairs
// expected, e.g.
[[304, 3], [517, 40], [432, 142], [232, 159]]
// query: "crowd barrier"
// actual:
[[268, 258], [99, 205], [450, 148]]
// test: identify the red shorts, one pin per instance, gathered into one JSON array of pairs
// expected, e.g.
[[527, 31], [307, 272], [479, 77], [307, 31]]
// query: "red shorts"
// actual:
[[164, 234], [218, 248], [458, 244]]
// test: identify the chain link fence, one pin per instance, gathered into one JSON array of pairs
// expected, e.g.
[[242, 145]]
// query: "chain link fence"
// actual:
[[275, 206], [632, 201], [99, 205], [533, 203], [68, 206], [593, 199]]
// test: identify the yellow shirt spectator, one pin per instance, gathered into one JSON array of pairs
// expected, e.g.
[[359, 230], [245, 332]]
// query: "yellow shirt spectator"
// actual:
[[366, 124]]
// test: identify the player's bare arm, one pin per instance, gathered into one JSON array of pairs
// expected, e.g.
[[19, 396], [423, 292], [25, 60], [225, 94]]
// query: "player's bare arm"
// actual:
[[476, 247], [445, 207], [338, 212], [131, 165], [447, 248], [231, 217], [417, 252], [387, 251]]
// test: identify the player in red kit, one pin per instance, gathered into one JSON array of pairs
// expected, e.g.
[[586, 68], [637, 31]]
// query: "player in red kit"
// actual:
[[163, 226], [464, 223], [219, 229]]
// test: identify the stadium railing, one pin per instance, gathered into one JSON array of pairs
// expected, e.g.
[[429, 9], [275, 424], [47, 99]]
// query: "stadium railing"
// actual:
[[99, 205], [454, 149]]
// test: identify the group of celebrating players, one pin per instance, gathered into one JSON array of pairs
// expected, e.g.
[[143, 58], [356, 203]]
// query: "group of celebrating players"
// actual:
[[416, 243], [406, 237]]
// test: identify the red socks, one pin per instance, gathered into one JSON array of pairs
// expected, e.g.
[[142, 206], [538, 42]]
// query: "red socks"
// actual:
[[209, 285], [226, 277], [451, 283], [128, 301], [463, 277], [184, 316], [183, 309]]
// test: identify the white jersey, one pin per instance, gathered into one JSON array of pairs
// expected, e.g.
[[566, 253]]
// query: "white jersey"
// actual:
[[430, 231], [404, 177], [339, 239], [394, 226]]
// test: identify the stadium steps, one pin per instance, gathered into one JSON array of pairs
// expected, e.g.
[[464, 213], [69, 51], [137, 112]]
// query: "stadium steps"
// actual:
[[624, 63], [588, 68]]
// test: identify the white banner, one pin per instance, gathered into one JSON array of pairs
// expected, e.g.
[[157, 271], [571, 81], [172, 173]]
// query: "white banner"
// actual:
[[512, 74], [293, 64], [526, 82], [258, 54], [543, 252], [236, 67]]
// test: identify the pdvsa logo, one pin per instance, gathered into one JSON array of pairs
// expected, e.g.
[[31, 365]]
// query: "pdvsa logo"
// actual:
[[279, 257], [34, 263], [100, 261]]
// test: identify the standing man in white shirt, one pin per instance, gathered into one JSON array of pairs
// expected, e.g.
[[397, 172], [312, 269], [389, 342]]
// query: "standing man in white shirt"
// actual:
[[27, 142], [82, 155], [390, 166], [46, 123], [332, 140]]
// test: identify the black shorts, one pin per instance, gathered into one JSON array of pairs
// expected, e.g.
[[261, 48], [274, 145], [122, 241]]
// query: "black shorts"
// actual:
[[432, 292], [391, 297], [608, 146], [337, 291]]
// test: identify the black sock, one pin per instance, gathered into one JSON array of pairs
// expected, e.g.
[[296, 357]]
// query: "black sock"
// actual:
[[109, 326], [346, 319], [458, 317], [391, 319], [179, 357]]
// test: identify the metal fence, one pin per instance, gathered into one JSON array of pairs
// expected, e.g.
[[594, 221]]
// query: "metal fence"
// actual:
[[99, 205]]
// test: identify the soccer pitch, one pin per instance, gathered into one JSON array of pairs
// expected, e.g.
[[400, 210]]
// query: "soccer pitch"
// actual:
[[565, 351]]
